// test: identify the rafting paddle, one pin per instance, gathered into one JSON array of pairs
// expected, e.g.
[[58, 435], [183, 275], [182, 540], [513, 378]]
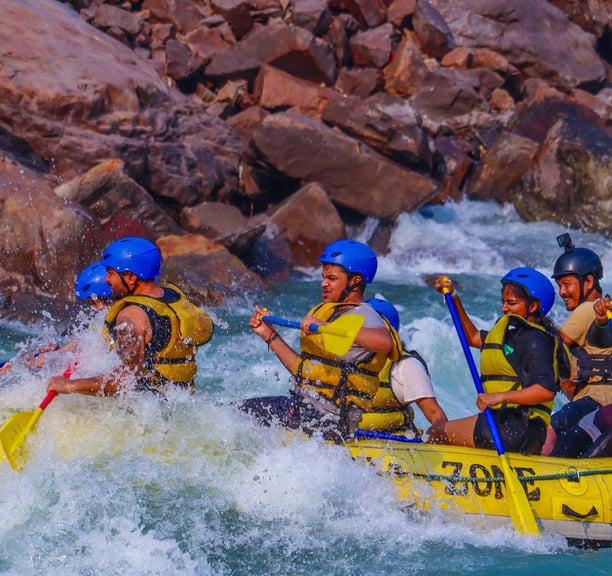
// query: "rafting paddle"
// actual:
[[520, 511], [338, 336], [17, 427]]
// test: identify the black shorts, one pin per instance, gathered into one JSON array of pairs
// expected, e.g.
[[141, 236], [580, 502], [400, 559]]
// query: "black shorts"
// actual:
[[295, 413], [572, 413], [518, 433]]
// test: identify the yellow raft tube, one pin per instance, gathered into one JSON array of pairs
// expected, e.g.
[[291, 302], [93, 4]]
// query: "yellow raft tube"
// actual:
[[570, 496]]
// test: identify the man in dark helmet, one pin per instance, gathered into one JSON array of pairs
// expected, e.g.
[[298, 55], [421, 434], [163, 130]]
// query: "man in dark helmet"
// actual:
[[577, 273]]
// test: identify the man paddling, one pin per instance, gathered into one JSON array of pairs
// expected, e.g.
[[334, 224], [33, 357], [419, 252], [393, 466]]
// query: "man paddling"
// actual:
[[586, 331], [330, 392], [153, 327]]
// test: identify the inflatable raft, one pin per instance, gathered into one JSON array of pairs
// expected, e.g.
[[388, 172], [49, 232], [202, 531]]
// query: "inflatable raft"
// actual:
[[572, 497]]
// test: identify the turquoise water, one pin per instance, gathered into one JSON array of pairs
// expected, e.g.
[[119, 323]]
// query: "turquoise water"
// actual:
[[135, 486]]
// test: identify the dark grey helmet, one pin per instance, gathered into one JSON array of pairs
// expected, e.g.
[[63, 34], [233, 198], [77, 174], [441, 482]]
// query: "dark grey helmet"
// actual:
[[579, 262]]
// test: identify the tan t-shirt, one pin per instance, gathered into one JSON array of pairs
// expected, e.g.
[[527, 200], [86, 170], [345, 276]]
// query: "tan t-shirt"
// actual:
[[576, 327]]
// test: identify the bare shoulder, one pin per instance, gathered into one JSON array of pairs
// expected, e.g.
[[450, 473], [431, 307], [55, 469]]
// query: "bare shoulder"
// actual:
[[135, 316]]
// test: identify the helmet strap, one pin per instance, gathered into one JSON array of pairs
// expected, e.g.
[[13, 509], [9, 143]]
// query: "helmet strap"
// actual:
[[585, 296], [356, 287], [129, 290]]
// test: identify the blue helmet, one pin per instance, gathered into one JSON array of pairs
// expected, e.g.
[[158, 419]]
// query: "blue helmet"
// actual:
[[538, 286], [91, 283], [355, 257], [133, 254], [386, 310]]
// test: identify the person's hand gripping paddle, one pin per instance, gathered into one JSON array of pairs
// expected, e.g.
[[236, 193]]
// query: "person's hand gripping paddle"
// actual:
[[520, 510], [338, 336]]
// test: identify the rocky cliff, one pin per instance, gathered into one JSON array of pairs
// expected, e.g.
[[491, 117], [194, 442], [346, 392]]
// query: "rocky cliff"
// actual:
[[243, 136]]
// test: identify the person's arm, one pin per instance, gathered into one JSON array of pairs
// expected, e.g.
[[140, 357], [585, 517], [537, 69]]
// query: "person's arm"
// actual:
[[535, 366], [530, 396], [273, 339], [432, 410], [373, 339], [600, 331], [109, 385], [132, 334], [472, 334]]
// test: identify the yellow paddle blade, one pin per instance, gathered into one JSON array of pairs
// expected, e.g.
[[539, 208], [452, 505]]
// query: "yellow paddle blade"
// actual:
[[14, 433], [339, 335], [521, 513]]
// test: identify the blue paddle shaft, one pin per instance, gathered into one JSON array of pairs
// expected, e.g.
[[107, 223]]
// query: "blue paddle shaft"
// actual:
[[288, 323], [384, 436], [474, 371]]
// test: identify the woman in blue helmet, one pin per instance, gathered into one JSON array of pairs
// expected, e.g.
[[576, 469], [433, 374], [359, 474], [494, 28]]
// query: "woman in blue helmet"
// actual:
[[154, 327], [330, 392], [521, 361]]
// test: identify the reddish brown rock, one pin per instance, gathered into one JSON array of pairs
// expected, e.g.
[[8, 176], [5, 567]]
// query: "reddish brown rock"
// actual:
[[212, 219], [370, 12], [309, 222], [570, 178], [407, 71], [204, 42], [44, 240], [542, 107], [183, 14], [361, 82], [501, 168], [275, 89], [292, 49], [372, 48], [368, 182], [404, 142], [399, 11], [236, 13], [204, 269], [312, 15], [433, 33], [140, 131], [537, 50]]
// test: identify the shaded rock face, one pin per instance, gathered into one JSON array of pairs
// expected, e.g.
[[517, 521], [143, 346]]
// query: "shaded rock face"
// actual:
[[207, 126], [516, 31]]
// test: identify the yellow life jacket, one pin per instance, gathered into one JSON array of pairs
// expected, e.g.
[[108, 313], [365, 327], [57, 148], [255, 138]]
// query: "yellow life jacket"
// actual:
[[190, 327], [498, 375], [341, 382]]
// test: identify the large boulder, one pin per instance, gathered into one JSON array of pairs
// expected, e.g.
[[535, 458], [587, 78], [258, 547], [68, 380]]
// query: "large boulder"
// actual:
[[533, 35], [354, 175]]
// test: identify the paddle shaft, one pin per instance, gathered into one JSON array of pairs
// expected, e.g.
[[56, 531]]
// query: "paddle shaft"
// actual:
[[384, 436], [50, 396], [499, 446], [520, 510]]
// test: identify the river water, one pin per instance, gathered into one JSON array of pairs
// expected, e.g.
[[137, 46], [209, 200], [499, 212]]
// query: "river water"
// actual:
[[190, 486]]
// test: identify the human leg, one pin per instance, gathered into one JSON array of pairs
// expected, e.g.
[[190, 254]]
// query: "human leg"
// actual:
[[458, 432], [571, 413], [514, 430], [274, 409]]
